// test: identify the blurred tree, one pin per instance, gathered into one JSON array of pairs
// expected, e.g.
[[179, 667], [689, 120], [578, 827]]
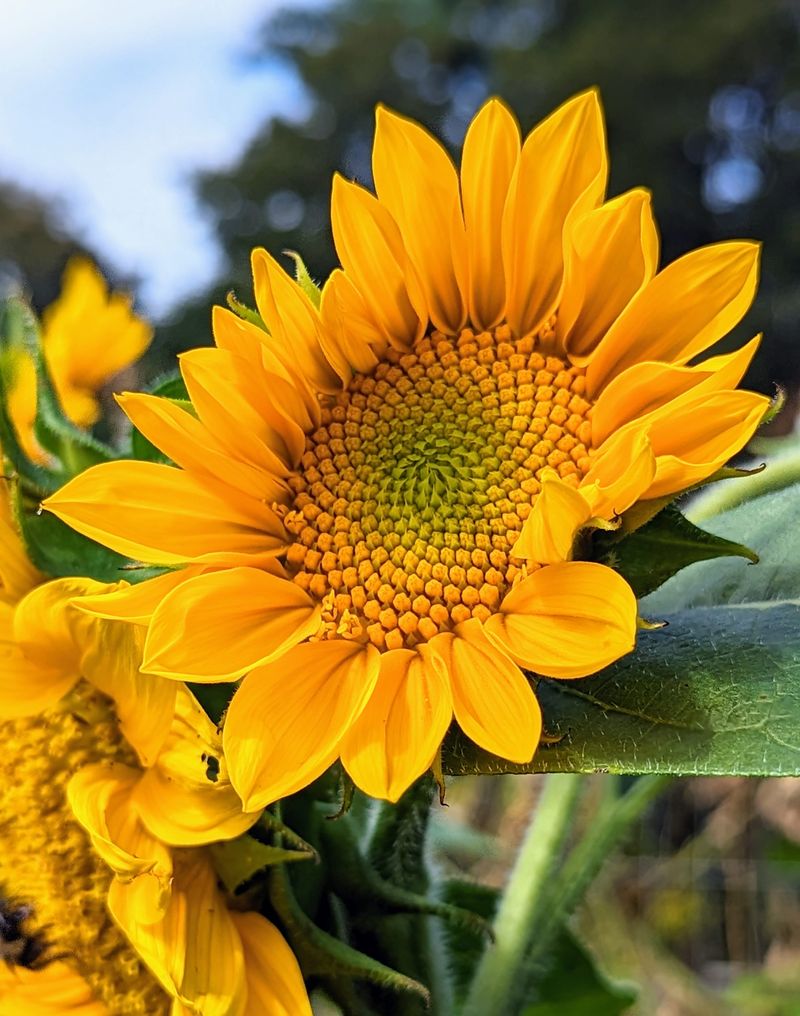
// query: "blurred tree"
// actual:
[[35, 244], [703, 106]]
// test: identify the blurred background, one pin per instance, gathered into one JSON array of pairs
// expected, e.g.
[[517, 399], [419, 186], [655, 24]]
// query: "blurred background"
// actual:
[[169, 140]]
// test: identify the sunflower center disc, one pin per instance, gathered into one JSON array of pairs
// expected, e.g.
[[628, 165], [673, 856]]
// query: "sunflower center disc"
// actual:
[[413, 490]]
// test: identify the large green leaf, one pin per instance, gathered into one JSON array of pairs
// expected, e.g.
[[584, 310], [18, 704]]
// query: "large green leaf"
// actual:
[[715, 692], [574, 987]]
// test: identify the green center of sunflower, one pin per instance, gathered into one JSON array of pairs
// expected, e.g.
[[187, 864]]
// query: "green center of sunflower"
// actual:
[[410, 495]]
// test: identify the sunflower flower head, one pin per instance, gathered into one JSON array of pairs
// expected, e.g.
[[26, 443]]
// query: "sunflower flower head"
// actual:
[[112, 786], [377, 504], [48, 865], [89, 334]]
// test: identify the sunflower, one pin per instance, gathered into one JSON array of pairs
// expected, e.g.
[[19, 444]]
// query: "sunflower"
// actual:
[[112, 783], [88, 335], [374, 499]]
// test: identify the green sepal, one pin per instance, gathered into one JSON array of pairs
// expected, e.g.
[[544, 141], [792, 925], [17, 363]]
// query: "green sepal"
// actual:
[[214, 698], [241, 310], [322, 955], [654, 552], [74, 448], [59, 551], [239, 861], [304, 280]]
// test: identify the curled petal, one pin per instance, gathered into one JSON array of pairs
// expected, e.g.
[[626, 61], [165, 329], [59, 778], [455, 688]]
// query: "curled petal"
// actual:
[[557, 515], [567, 620], [186, 797], [193, 949]]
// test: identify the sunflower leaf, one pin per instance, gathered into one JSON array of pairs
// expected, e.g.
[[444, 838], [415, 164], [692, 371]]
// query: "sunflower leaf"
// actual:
[[717, 692], [663, 546], [59, 551], [586, 990]]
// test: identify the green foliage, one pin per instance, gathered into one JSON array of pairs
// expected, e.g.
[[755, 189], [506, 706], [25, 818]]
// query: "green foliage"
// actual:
[[574, 987], [239, 861], [716, 692], [668, 543]]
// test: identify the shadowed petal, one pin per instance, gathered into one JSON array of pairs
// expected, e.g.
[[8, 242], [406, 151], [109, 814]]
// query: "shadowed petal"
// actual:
[[286, 721]]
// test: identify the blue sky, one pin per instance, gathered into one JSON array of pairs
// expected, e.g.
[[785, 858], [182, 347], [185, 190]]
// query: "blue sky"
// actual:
[[111, 106]]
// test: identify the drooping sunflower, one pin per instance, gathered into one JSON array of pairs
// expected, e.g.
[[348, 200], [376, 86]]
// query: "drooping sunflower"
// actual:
[[109, 903], [89, 334], [374, 500]]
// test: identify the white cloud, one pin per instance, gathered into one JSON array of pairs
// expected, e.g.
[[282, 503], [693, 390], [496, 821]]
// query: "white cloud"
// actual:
[[112, 105]]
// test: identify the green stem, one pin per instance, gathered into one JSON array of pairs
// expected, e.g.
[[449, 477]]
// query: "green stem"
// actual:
[[583, 864], [521, 902]]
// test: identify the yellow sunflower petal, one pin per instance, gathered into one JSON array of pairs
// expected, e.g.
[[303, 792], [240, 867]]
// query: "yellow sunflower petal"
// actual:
[[621, 473], [567, 620], [257, 413], [17, 575], [254, 381], [693, 443], [53, 990], [493, 701], [489, 157], [286, 721], [217, 626], [135, 603], [189, 443], [144, 704], [371, 251], [344, 314], [163, 515], [186, 798], [49, 630], [194, 949], [428, 213], [562, 169], [100, 798], [682, 311], [646, 387], [274, 982], [27, 687], [395, 738], [294, 325], [612, 252], [558, 513]]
